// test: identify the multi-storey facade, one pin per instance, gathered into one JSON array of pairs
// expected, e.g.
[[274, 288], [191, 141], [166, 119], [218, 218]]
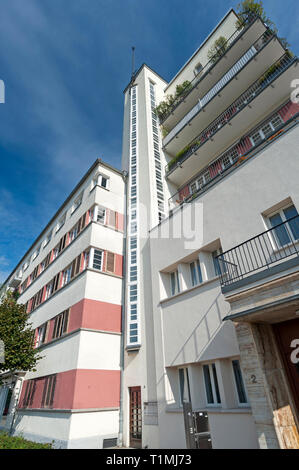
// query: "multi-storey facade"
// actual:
[[71, 282], [208, 282]]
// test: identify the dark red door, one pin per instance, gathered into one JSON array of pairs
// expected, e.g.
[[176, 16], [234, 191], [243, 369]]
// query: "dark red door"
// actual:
[[135, 417], [287, 335]]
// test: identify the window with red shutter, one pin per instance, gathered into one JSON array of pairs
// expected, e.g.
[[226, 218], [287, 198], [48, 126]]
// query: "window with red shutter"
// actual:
[[110, 258]]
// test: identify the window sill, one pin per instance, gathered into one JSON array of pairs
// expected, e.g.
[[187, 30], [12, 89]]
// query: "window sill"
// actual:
[[191, 289]]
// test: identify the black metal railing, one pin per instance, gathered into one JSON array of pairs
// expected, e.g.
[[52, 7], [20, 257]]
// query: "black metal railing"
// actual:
[[212, 62], [260, 252], [241, 102]]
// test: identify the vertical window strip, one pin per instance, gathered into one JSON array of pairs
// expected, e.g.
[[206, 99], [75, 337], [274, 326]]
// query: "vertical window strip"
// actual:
[[157, 158], [133, 326]]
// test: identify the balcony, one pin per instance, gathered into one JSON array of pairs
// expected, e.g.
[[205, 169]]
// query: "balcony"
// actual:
[[235, 47], [15, 281], [269, 252], [261, 55], [266, 92], [241, 151]]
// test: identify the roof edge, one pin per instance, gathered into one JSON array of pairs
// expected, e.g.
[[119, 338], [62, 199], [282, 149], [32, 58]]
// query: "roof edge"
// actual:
[[135, 75], [97, 162], [231, 10]]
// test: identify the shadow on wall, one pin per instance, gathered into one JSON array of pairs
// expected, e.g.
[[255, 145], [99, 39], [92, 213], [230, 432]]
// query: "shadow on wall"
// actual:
[[204, 327]]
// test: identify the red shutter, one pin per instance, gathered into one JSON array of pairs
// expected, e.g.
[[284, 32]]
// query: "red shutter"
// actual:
[[110, 262]]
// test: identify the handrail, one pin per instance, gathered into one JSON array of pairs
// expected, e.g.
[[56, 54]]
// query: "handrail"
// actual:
[[211, 63], [259, 252], [240, 158], [241, 102]]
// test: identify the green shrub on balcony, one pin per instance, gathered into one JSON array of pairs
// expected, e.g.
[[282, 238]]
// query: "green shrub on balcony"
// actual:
[[217, 49], [272, 69], [164, 131], [247, 8], [164, 107]]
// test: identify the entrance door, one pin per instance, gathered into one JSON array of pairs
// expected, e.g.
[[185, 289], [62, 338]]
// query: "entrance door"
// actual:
[[135, 417], [285, 333]]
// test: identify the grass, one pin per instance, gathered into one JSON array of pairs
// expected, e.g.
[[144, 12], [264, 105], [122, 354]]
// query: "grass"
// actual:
[[18, 442]]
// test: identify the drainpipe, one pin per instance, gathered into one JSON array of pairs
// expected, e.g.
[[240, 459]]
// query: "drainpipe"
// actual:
[[122, 341]]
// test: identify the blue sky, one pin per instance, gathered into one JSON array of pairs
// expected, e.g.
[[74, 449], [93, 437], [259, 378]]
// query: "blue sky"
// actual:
[[65, 64]]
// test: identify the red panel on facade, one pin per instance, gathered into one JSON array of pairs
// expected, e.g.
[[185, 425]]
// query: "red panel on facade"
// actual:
[[97, 389], [288, 111], [95, 315]]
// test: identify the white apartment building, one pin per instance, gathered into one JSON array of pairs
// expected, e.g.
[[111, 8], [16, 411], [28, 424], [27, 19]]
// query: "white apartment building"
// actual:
[[71, 282], [158, 333]]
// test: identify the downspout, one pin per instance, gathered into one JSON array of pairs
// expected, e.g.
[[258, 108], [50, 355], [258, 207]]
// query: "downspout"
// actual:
[[122, 341]]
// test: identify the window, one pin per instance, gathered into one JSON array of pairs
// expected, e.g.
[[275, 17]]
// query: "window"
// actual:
[[52, 286], [239, 382], [77, 203], [133, 312], [41, 335], [36, 253], [49, 391], [196, 277], [133, 293], [60, 324], [101, 180], [198, 68], [73, 234], [211, 384], [174, 283], [85, 259], [47, 239], [66, 276], [61, 245], [60, 223], [256, 138], [98, 259], [133, 273], [101, 216], [55, 253], [25, 265], [133, 243], [110, 261], [34, 273], [216, 262], [289, 232], [133, 333], [29, 393], [184, 386], [133, 257]]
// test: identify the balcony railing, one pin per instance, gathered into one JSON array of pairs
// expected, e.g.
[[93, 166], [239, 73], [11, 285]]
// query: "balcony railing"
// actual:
[[231, 158], [259, 44], [212, 62], [261, 252], [244, 100]]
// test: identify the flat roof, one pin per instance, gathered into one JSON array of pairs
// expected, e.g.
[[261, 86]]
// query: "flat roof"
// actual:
[[98, 161], [201, 45]]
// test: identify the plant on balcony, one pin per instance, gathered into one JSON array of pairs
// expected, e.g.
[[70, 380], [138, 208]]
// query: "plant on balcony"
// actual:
[[247, 9], [217, 49], [271, 70], [182, 89], [164, 131], [164, 107]]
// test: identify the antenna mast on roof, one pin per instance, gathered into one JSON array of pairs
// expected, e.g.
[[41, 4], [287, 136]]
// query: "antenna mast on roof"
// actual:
[[133, 61]]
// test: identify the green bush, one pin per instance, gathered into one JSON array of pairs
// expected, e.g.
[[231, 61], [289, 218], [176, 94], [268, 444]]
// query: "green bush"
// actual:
[[18, 442], [217, 49], [163, 108]]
